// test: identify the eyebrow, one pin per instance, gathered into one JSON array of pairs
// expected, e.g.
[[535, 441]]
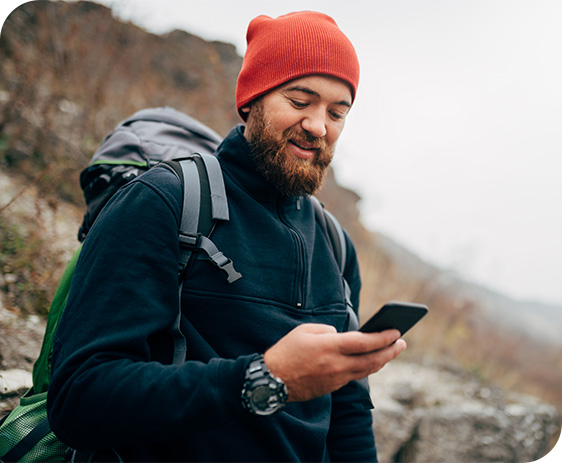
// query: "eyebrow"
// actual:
[[309, 91]]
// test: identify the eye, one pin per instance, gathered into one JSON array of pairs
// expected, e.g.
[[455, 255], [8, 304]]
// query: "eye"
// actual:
[[298, 104], [337, 115]]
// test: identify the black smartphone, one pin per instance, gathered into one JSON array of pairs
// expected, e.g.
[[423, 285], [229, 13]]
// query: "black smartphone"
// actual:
[[395, 315]]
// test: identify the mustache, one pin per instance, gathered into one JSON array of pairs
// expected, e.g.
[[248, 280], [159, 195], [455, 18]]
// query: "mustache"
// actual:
[[305, 137]]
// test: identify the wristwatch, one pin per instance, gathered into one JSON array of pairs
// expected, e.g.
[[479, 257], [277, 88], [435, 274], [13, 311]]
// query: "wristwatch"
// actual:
[[262, 393]]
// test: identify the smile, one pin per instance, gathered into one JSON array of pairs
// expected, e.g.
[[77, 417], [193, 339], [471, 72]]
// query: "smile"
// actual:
[[302, 150]]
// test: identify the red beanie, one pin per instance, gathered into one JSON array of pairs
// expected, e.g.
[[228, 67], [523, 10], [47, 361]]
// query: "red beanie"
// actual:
[[292, 46]]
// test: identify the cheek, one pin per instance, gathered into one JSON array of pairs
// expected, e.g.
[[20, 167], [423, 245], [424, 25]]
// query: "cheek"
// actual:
[[280, 121], [333, 134], [288, 121]]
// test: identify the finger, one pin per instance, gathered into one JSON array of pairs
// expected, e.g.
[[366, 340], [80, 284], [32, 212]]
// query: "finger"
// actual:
[[355, 342], [317, 328], [366, 364]]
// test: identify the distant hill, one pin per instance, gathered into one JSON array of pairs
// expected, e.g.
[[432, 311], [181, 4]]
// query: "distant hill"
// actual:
[[70, 71], [529, 318]]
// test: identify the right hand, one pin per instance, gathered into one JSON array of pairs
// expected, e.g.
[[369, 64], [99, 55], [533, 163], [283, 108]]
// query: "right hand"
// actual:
[[315, 359]]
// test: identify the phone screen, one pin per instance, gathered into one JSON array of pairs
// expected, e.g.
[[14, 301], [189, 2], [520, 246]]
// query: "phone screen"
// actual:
[[395, 315]]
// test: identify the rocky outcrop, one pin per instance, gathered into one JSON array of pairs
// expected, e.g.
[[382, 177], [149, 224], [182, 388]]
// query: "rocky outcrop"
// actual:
[[426, 413], [20, 343]]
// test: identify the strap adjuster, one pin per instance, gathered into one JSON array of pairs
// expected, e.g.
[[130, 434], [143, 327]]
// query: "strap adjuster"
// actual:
[[188, 240]]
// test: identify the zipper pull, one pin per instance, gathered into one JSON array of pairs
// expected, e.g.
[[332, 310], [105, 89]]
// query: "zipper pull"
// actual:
[[299, 203]]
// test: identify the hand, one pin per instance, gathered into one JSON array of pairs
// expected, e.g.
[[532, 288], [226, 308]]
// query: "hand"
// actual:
[[315, 359]]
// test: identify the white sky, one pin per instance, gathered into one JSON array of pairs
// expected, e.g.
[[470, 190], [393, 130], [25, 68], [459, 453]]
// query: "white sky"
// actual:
[[455, 140]]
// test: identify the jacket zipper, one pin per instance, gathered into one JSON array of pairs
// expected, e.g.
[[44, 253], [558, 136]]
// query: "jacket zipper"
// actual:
[[300, 277], [300, 268]]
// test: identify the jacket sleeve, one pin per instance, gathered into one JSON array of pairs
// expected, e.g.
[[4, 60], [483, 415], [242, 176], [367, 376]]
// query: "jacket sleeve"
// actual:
[[351, 435], [123, 299]]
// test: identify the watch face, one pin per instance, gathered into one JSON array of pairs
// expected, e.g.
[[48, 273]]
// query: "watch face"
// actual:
[[261, 397]]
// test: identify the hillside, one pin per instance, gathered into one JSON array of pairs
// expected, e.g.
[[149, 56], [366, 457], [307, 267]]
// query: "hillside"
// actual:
[[70, 71]]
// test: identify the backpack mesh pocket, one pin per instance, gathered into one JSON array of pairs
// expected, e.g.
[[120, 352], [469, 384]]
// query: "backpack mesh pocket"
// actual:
[[21, 421]]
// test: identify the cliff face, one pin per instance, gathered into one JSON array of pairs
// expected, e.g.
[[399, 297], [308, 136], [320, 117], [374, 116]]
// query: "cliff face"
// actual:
[[69, 72]]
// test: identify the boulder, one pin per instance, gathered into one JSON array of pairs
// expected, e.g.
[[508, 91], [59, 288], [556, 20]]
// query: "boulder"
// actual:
[[427, 413]]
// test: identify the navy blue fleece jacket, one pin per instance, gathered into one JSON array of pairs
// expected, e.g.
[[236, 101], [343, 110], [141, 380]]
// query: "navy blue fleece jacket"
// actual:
[[113, 384]]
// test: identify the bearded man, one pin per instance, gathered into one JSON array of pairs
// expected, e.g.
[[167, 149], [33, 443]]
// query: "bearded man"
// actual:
[[282, 325]]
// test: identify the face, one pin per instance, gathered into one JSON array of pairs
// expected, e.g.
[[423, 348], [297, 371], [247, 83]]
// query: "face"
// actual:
[[293, 131]]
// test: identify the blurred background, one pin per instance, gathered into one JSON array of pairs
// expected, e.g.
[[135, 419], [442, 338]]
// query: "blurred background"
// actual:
[[454, 142], [447, 175]]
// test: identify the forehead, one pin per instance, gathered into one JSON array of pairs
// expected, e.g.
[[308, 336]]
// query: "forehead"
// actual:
[[329, 88]]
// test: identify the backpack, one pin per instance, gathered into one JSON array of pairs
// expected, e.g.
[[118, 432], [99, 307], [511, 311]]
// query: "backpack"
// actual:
[[182, 144]]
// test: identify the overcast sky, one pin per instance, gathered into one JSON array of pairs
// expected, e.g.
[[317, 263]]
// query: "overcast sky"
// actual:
[[455, 140]]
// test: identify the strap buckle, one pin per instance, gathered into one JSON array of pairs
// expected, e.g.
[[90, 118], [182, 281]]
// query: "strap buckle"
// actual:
[[219, 259], [226, 265], [200, 242]]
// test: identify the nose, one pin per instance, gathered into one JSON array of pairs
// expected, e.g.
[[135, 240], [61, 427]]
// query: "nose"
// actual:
[[314, 122]]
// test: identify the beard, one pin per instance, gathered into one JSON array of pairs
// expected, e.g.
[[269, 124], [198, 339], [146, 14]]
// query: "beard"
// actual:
[[292, 176]]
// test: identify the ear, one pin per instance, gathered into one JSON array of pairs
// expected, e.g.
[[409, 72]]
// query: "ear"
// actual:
[[245, 113]]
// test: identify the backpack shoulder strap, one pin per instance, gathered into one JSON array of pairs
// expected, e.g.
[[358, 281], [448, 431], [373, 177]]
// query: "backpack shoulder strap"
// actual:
[[334, 231], [337, 238], [204, 203]]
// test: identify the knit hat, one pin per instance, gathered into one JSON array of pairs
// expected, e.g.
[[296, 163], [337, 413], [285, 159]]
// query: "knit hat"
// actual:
[[292, 46]]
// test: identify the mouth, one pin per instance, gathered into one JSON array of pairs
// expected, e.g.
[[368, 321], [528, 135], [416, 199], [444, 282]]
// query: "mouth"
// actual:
[[302, 149]]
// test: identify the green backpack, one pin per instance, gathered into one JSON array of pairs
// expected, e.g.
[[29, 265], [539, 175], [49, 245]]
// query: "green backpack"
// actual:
[[150, 137]]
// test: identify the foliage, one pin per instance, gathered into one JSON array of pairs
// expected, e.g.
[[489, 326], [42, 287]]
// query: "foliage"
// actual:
[[25, 270], [70, 72]]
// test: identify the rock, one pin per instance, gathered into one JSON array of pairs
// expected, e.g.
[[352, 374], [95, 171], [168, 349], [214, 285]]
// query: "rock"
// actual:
[[13, 384], [20, 343], [20, 339], [14, 381], [427, 414]]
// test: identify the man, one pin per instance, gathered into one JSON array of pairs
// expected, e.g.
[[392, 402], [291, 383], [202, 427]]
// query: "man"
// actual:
[[280, 326]]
